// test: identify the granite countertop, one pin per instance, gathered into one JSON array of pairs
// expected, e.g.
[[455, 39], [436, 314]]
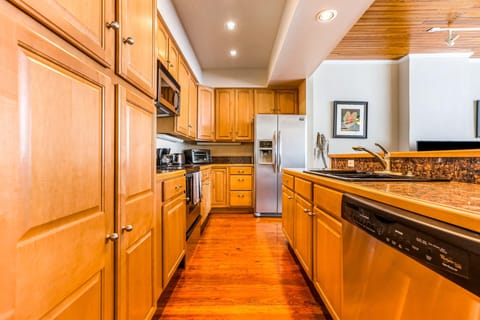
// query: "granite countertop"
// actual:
[[457, 203]]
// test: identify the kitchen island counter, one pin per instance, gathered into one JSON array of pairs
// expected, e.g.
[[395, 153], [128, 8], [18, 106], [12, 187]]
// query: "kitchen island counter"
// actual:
[[456, 203]]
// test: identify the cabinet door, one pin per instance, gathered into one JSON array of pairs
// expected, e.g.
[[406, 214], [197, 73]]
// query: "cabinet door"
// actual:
[[173, 62], [181, 121], [219, 189], [174, 230], [157, 242], [136, 43], [135, 204], [83, 23], [56, 173], [243, 115], [288, 207], [206, 114], [286, 101], [192, 109], [303, 224], [224, 114], [162, 41], [327, 274], [264, 101]]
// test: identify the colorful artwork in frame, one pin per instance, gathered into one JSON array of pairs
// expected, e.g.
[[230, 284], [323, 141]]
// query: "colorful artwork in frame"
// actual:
[[350, 119]]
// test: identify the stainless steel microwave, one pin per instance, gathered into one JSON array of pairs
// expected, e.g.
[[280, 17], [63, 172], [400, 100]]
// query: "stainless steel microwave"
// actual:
[[168, 93]]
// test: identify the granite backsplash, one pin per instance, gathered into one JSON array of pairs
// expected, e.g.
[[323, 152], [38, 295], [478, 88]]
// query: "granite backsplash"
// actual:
[[458, 169], [233, 160]]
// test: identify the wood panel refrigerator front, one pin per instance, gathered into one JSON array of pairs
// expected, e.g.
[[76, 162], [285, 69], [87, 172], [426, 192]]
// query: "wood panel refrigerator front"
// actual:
[[57, 137], [135, 204]]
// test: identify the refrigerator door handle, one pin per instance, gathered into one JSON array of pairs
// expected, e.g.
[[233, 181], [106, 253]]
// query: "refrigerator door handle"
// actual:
[[279, 160], [274, 150]]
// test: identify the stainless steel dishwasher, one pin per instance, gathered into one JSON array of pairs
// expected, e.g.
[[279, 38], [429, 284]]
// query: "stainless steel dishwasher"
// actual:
[[401, 265]]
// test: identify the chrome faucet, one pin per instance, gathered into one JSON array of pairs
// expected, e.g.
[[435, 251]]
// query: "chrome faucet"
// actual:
[[384, 160]]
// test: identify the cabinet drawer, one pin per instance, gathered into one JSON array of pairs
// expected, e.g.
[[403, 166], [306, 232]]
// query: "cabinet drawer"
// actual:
[[239, 182], [241, 170], [328, 200], [240, 198], [173, 187], [287, 181], [303, 188]]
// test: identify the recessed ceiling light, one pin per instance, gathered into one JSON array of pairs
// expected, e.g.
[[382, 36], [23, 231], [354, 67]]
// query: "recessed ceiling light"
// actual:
[[232, 53], [230, 25], [326, 15]]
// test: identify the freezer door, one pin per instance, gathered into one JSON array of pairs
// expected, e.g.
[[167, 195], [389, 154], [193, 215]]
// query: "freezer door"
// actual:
[[265, 172], [291, 147]]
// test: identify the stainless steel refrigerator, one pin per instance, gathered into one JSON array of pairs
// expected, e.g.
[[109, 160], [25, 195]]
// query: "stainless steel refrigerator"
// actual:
[[280, 142]]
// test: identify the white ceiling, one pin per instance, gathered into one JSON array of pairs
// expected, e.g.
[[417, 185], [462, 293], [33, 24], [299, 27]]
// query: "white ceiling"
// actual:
[[280, 36]]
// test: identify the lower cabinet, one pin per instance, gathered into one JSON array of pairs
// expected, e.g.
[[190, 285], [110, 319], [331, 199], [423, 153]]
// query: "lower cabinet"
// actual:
[[288, 212], [240, 186], [206, 204], [303, 232], [174, 215], [327, 248], [219, 180], [327, 253]]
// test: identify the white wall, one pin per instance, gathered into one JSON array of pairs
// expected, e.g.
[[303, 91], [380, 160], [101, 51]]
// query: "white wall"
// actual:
[[403, 104], [441, 104], [373, 81]]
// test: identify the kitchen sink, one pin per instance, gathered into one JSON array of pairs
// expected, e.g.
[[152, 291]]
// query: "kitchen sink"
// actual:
[[357, 175]]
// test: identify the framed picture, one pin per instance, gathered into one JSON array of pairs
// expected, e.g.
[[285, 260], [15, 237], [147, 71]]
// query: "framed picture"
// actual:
[[477, 126], [350, 119]]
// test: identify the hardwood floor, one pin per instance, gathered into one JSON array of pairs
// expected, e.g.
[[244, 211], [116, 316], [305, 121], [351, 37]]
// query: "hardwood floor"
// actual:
[[240, 269]]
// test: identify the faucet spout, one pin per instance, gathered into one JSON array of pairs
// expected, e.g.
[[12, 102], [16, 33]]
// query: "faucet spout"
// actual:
[[383, 161]]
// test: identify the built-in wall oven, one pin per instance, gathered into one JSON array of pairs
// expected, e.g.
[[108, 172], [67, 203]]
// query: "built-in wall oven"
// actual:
[[400, 265]]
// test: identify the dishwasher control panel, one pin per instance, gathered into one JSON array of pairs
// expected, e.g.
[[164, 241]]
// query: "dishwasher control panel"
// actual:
[[446, 249]]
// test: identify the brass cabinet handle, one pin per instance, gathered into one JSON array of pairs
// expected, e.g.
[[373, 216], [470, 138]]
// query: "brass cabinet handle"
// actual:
[[113, 25], [129, 40], [127, 228], [112, 237], [290, 197]]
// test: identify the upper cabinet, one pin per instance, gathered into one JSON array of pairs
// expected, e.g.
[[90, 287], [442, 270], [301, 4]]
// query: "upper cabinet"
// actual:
[[167, 51], [234, 114], [279, 101], [89, 24], [186, 122], [206, 114], [136, 43]]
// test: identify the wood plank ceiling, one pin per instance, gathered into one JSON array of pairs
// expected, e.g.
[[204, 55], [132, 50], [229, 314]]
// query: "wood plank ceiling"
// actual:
[[391, 29]]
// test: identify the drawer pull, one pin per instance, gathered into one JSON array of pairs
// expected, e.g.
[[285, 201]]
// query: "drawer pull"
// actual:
[[129, 40], [114, 24], [127, 228]]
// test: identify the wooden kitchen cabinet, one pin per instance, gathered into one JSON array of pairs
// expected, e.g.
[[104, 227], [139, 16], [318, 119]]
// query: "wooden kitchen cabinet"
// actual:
[[286, 101], [57, 205], [219, 178], [327, 253], [288, 207], [234, 114], [303, 225], [135, 204], [167, 51], [186, 121], [276, 101], [240, 186], [158, 241], [264, 101], [174, 215], [327, 248], [206, 114], [86, 24], [206, 204], [136, 56]]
